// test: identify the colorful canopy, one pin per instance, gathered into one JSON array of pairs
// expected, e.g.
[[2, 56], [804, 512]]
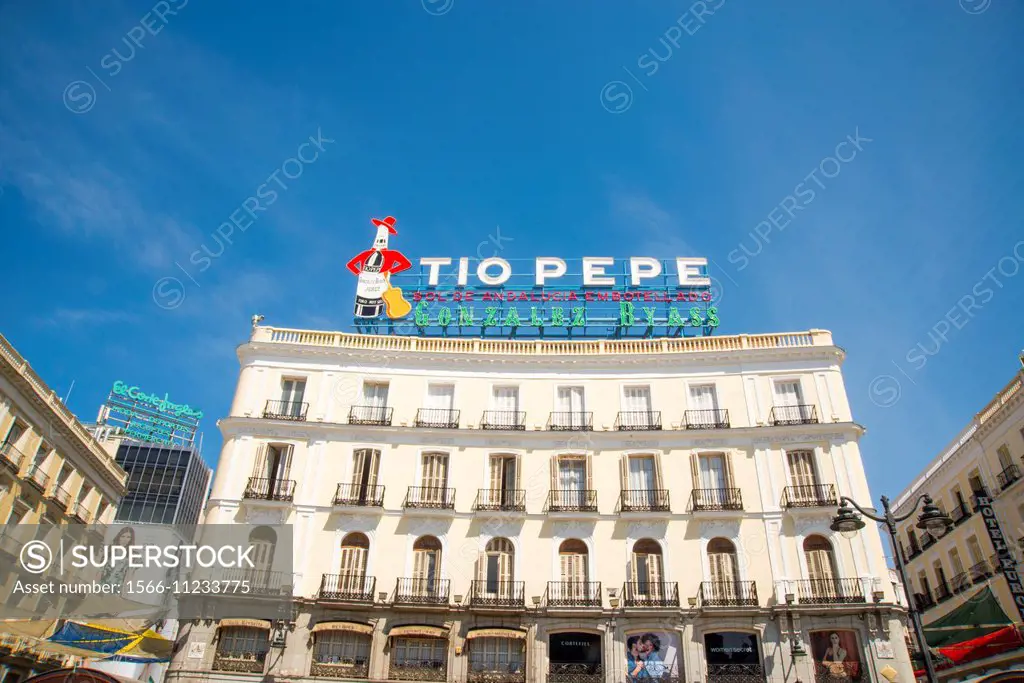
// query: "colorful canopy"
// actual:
[[91, 640]]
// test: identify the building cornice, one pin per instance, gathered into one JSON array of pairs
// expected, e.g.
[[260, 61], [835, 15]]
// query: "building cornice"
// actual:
[[20, 373]]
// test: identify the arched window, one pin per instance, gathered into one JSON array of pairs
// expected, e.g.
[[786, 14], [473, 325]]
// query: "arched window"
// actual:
[[723, 588], [355, 548], [575, 570], [341, 654], [495, 570], [241, 648], [647, 570], [426, 565], [822, 575]]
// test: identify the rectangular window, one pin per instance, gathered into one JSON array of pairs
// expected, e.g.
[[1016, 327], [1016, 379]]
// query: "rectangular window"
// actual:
[[504, 655], [1005, 459], [802, 473], [503, 473], [41, 454], [703, 397], [420, 652], [642, 476], [375, 394], [239, 642], [636, 402], [365, 465], [975, 482], [712, 471], [15, 433], [440, 397], [293, 391], [788, 393], [340, 647], [434, 477], [974, 550], [505, 399], [569, 408]]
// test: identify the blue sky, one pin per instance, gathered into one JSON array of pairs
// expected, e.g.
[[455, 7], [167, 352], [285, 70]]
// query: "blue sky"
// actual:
[[579, 129]]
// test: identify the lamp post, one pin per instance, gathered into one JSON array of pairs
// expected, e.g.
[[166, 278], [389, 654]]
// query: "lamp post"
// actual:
[[932, 519]]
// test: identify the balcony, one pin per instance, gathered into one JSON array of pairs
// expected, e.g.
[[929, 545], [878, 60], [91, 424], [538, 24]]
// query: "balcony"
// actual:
[[281, 490], [500, 500], [286, 410], [572, 500], [644, 500], [572, 421], [927, 540], [262, 583], [429, 592], [980, 571], [793, 415], [429, 498], [239, 662], [638, 420], [35, 476], [715, 499], [727, 594], [487, 594], [942, 592], [346, 588], [345, 669], [915, 551], [425, 670], [513, 672], [573, 594], [370, 415], [359, 495], [811, 496], [514, 420], [647, 594], [1009, 475], [11, 457], [830, 591], [960, 582], [924, 600], [79, 512], [716, 418], [441, 418], [60, 496], [960, 514]]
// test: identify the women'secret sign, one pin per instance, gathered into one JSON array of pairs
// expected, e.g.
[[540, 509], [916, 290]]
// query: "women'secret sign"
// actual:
[[543, 296]]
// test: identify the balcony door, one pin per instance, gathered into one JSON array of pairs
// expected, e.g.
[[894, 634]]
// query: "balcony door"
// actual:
[[637, 406], [704, 398], [263, 541], [355, 548], [375, 397], [274, 465], [788, 394], [434, 478], [570, 407], [504, 481], [292, 393], [821, 567], [802, 474], [571, 481], [365, 466], [722, 569], [505, 401], [647, 568], [494, 570], [642, 480], [440, 402], [575, 572], [426, 565]]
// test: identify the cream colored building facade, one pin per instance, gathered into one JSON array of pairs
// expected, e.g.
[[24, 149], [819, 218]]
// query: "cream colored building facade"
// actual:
[[52, 472], [984, 458], [503, 510]]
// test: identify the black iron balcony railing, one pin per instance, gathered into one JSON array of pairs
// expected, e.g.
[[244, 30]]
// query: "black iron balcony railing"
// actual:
[[422, 591], [927, 540], [79, 512], [560, 672], [504, 419], [727, 594], [37, 477], [915, 551], [942, 592], [443, 418], [638, 420], [359, 495], [485, 672], [980, 571], [830, 591], [11, 457], [60, 496], [960, 514], [508, 500], [248, 661], [650, 594], [352, 587], [427, 670], [286, 410], [370, 415], [793, 415], [924, 600], [1009, 475], [259, 488], [573, 594], [488, 593], [344, 668], [711, 418], [960, 582], [571, 421], [430, 498], [260, 582], [810, 496], [644, 500], [716, 499], [572, 500]]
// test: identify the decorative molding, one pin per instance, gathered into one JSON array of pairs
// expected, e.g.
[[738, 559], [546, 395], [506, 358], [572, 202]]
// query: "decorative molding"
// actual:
[[269, 517], [655, 530], [803, 525], [725, 528]]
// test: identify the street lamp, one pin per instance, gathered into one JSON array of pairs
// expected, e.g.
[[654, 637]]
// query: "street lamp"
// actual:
[[932, 519]]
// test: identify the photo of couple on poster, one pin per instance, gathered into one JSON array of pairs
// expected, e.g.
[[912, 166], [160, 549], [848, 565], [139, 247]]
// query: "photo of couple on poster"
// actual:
[[650, 656]]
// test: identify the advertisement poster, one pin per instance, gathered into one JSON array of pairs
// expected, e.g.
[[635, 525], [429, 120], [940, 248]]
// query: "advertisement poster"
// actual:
[[652, 655], [836, 657]]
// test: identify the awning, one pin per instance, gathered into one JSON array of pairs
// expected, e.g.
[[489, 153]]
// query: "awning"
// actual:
[[247, 623], [496, 633], [418, 632], [979, 616], [350, 626]]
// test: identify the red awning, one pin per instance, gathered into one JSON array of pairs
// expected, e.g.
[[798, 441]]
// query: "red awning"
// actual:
[[994, 643]]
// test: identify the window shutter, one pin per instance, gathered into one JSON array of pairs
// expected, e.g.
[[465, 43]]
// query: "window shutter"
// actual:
[[624, 472], [727, 460], [590, 472], [654, 573], [481, 568], [695, 470], [554, 474], [358, 467], [497, 465], [260, 468], [658, 480], [285, 467]]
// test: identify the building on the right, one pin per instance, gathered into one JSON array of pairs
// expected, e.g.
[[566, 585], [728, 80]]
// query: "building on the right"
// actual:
[[967, 583]]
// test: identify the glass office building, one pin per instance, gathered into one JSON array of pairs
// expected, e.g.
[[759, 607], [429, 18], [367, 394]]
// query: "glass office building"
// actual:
[[166, 484]]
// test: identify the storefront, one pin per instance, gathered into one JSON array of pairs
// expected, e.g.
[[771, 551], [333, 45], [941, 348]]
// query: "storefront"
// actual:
[[733, 657], [574, 657]]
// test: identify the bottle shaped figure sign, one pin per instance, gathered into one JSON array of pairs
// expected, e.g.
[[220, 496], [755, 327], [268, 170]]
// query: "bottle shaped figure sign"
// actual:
[[374, 268]]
